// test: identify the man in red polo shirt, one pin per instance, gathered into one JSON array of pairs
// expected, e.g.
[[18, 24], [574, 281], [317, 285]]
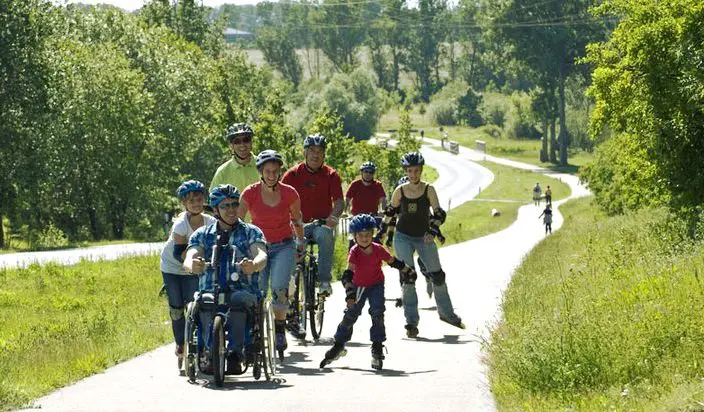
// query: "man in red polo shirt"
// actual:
[[320, 188], [366, 193]]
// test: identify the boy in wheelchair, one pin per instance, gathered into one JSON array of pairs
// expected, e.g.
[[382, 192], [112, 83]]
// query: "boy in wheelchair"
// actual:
[[235, 253]]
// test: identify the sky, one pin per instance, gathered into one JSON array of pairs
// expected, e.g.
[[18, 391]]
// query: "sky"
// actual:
[[131, 5]]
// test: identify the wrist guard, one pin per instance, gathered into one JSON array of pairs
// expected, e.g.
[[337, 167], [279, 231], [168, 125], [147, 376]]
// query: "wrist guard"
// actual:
[[347, 276], [397, 263], [439, 215]]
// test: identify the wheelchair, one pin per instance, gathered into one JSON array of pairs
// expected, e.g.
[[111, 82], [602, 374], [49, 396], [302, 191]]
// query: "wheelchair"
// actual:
[[260, 348]]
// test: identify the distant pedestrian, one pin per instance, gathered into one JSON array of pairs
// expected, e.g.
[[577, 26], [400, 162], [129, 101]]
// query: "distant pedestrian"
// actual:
[[547, 218], [537, 194], [548, 195]]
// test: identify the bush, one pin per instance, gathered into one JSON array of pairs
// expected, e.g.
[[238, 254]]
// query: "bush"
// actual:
[[50, 238], [520, 124], [454, 104], [495, 108]]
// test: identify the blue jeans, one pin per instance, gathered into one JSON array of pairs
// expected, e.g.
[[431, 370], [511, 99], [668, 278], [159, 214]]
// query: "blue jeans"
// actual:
[[180, 290], [405, 246], [242, 303], [325, 238], [377, 333], [279, 267]]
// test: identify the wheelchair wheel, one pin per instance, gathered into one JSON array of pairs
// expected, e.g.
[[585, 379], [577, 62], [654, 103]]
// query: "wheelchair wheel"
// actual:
[[190, 344], [219, 350], [268, 340], [315, 304]]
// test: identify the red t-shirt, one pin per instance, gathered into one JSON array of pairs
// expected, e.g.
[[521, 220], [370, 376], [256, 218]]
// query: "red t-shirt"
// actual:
[[318, 190], [274, 221], [365, 199], [367, 267]]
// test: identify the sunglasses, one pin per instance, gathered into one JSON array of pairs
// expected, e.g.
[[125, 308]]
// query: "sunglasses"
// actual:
[[226, 206], [243, 140]]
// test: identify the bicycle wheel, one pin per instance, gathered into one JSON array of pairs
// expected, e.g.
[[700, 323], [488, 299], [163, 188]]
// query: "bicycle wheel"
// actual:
[[219, 350], [190, 344], [316, 303], [269, 341], [300, 298]]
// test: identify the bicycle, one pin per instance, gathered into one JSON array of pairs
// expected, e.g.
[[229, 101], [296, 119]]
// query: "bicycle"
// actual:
[[259, 354], [307, 305]]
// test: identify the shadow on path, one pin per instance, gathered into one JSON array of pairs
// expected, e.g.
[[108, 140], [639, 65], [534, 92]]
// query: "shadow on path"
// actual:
[[392, 373]]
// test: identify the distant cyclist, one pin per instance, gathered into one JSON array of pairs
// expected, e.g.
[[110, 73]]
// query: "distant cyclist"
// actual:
[[276, 209], [320, 188], [547, 218], [247, 251], [537, 193], [365, 194], [412, 201], [180, 287], [241, 170]]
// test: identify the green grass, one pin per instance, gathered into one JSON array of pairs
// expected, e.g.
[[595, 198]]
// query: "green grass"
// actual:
[[59, 324], [605, 314], [473, 219], [526, 151]]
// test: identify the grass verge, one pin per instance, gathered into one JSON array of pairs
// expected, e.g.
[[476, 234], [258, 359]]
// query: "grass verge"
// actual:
[[59, 324], [511, 189], [605, 314]]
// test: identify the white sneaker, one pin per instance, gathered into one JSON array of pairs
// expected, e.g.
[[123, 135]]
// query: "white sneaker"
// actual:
[[325, 289]]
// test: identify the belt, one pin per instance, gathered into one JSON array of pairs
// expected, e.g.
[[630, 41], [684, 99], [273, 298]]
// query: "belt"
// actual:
[[288, 239]]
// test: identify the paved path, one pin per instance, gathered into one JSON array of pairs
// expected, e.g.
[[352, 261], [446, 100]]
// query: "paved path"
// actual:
[[71, 256], [441, 370]]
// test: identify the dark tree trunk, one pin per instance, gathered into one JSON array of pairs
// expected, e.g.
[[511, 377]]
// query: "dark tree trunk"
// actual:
[[2, 233], [544, 151], [563, 122]]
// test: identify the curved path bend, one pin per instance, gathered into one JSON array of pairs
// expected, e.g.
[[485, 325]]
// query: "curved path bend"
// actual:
[[440, 370]]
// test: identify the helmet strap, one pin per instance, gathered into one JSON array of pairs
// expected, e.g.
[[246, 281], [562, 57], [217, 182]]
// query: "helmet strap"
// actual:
[[272, 187], [364, 247], [311, 169]]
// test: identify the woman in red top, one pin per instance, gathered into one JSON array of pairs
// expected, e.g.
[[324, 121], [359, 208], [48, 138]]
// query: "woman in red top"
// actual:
[[364, 280], [275, 208]]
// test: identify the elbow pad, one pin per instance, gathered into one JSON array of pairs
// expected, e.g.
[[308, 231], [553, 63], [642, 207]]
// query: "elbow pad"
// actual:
[[178, 251], [439, 215]]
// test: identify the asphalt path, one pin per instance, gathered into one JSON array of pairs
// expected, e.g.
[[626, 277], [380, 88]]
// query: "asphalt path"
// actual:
[[440, 370]]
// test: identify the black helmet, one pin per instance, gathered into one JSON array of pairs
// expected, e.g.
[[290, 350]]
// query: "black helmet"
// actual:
[[239, 129], [412, 159], [268, 156], [368, 167], [315, 140]]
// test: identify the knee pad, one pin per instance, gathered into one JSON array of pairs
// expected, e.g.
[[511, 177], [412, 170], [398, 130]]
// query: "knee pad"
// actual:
[[438, 277], [176, 313], [281, 296]]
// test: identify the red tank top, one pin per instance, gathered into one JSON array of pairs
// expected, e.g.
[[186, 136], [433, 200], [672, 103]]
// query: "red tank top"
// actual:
[[274, 221]]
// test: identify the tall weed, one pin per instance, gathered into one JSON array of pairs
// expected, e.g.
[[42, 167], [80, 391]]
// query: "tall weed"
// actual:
[[603, 305]]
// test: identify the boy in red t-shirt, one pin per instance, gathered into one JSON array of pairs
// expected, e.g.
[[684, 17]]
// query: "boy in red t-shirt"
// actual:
[[363, 279]]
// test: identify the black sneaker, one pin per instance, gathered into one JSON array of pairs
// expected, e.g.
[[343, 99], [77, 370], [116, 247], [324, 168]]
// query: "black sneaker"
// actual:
[[234, 363], [411, 331]]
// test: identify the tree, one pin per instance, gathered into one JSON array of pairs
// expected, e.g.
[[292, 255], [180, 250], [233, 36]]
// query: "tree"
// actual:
[[544, 38], [424, 47], [340, 147], [649, 91], [340, 30], [276, 40]]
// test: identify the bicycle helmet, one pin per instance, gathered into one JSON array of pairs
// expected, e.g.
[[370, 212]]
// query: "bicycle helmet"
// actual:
[[315, 140], [221, 193], [368, 167], [401, 181], [412, 159], [239, 129], [362, 223], [190, 186], [268, 156]]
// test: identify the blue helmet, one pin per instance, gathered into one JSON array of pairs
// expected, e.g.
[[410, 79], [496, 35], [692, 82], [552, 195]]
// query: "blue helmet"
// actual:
[[412, 159], [315, 140], [223, 192], [401, 181], [268, 156], [190, 186], [362, 222], [368, 167]]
